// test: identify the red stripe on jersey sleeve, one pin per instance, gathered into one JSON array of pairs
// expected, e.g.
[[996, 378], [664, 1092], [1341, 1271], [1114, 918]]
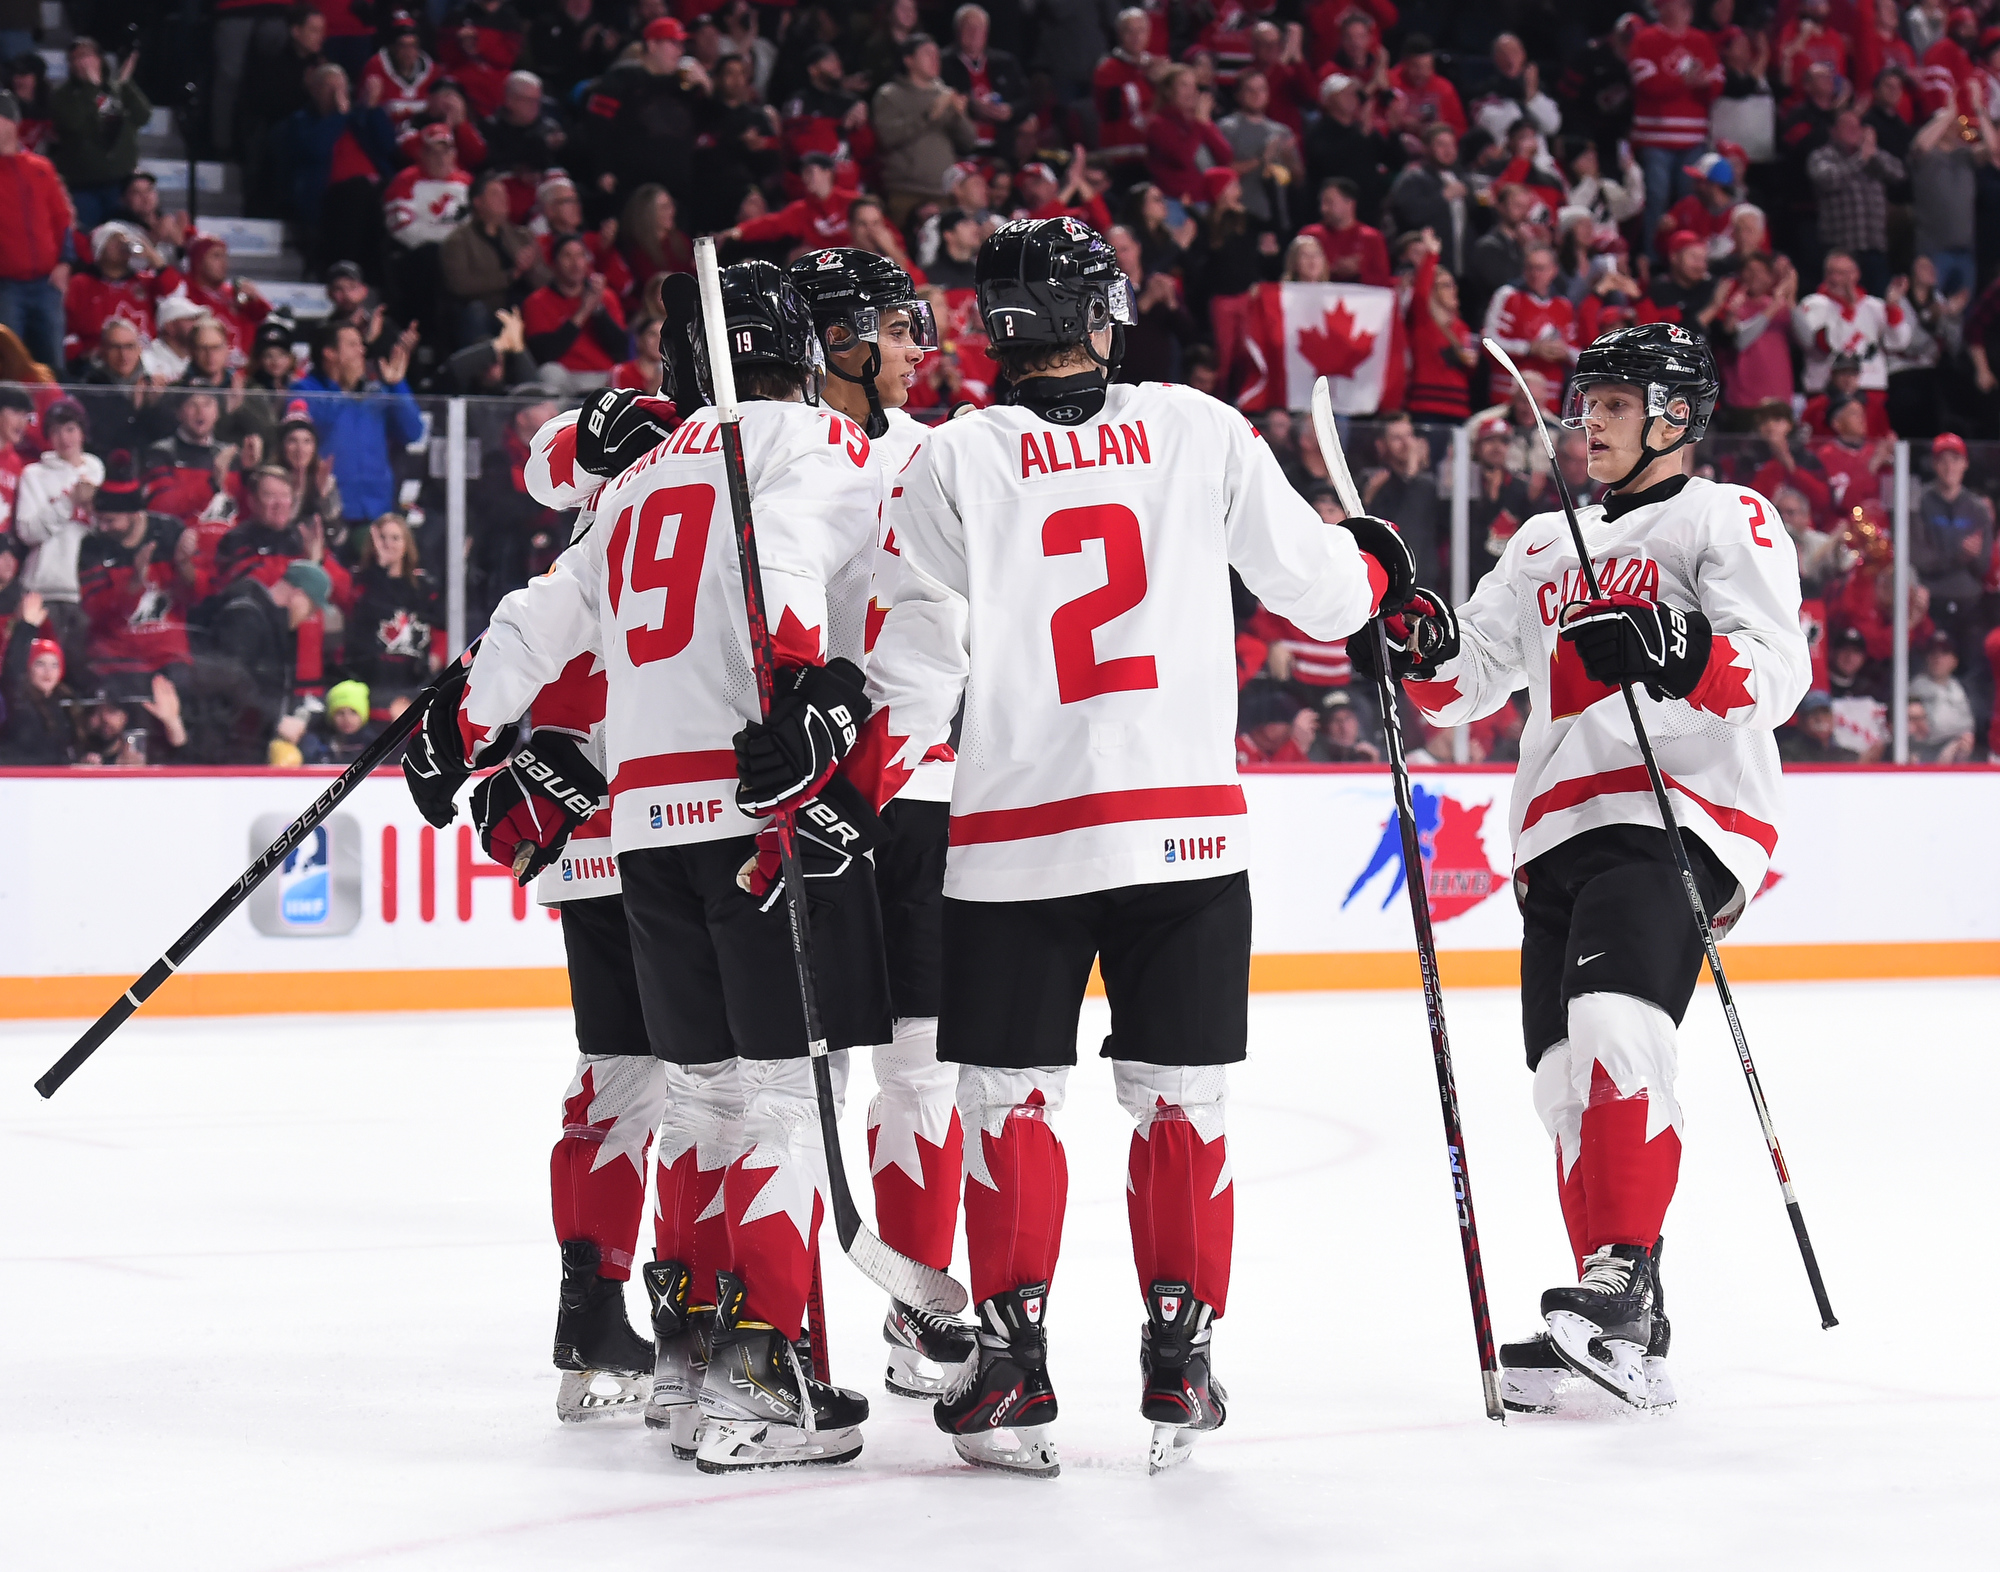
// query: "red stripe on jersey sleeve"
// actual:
[[1103, 807], [675, 769], [1609, 783]]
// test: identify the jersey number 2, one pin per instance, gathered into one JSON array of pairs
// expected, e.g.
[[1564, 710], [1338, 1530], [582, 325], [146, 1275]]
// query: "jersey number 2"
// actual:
[[678, 574], [1079, 673]]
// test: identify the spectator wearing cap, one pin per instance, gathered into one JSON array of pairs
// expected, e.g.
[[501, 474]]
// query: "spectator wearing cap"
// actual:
[[340, 733], [1181, 145], [1272, 726], [1843, 380], [1840, 317], [1675, 75], [1946, 710], [1705, 211], [400, 73], [350, 298], [1356, 253], [167, 357], [1339, 740], [39, 730], [568, 43], [488, 262], [1853, 463], [133, 598], [1685, 291], [396, 624], [122, 402], [446, 105], [234, 302], [362, 435], [1339, 142], [32, 272], [274, 365], [97, 121], [1422, 93], [296, 451], [252, 637], [823, 117], [815, 220], [1501, 502], [921, 128], [1041, 193], [421, 207], [1951, 546], [640, 118], [180, 472], [991, 81], [1850, 176], [121, 282], [1811, 741], [574, 325], [1943, 162], [52, 514], [955, 265]]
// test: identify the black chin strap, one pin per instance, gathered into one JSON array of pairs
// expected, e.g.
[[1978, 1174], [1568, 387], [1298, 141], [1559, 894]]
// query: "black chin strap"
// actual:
[[877, 422], [1648, 453]]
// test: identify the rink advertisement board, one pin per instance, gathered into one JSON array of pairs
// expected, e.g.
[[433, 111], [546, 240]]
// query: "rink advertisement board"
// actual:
[[1879, 873]]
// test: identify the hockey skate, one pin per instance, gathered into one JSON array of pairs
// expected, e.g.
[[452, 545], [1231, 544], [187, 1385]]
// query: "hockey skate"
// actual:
[[760, 1406], [1181, 1396], [1603, 1327], [925, 1350], [999, 1404], [680, 1334], [1534, 1379], [607, 1367]]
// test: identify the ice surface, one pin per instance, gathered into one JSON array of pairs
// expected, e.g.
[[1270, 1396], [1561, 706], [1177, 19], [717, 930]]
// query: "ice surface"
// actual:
[[279, 1294]]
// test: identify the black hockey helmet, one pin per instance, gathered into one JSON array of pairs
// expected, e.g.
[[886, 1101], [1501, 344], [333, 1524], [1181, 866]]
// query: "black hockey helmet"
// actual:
[[849, 292], [1053, 282], [1665, 362], [767, 323]]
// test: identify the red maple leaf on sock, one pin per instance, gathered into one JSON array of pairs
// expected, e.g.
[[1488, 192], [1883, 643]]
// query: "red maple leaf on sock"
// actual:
[[1335, 348]]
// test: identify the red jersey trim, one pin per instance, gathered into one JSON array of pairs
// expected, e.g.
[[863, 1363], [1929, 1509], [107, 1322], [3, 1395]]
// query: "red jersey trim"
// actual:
[[1609, 783], [1102, 807], [675, 769]]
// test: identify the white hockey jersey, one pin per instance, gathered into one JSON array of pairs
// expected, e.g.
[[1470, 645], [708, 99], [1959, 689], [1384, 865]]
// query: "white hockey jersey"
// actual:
[[894, 450], [656, 587], [1717, 548], [1071, 582]]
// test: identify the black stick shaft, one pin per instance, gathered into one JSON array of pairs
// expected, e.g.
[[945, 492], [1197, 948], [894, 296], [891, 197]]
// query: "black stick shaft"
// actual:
[[1427, 961], [272, 859]]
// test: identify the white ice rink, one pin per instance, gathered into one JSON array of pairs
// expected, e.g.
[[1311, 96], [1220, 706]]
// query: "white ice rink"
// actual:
[[279, 1295]]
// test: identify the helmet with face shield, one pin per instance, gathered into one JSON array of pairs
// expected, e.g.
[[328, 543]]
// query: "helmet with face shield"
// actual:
[[857, 297], [1674, 378]]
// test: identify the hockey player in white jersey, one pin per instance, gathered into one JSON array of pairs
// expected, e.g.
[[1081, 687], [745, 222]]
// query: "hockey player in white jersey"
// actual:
[[1064, 568], [656, 587], [876, 332], [1699, 606]]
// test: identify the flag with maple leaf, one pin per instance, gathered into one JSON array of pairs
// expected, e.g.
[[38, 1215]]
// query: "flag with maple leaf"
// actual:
[[1350, 334]]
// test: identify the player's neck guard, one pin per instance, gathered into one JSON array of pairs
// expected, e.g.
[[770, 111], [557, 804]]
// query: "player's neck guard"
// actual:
[[1619, 503], [877, 423], [1063, 401]]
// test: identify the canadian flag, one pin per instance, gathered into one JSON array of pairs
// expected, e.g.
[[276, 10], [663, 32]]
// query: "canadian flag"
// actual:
[[1351, 334]]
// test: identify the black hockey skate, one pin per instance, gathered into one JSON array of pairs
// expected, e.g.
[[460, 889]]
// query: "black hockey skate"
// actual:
[[998, 1407], [1603, 1326], [1181, 1397], [925, 1350], [607, 1367], [760, 1406], [1534, 1377], [680, 1336]]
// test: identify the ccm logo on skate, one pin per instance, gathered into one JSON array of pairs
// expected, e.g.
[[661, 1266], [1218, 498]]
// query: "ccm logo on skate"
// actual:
[[685, 813], [1197, 850]]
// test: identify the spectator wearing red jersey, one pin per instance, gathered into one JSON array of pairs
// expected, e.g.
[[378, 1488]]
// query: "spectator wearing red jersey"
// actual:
[[1043, 195], [1949, 76], [1425, 97], [823, 117], [234, 302], [1685, 291], [1790, 463], [480, 43], [270, 534], [1843, 380], [559, 214], [1807, 39], [1752, 338], [402, 73], [119, 285], [1356, 253], [1675, 74], [32, 272], [179, 472], [1178, 137], [1533, 324], [1853, 463], [1879, 44], [1124, 86], [1442, 351], [130, 592], [1292, 86], [1705, 211], [421, 207], [446, 105], [574, 324], [816, 220], [1272, 726]]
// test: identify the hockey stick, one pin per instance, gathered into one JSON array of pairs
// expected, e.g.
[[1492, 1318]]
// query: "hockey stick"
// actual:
[[1420, 915], [910, 1281], [272, 859], [1673, 829]]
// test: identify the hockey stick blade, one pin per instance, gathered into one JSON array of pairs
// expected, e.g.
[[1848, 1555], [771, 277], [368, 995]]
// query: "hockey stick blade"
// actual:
[[1685, 866]]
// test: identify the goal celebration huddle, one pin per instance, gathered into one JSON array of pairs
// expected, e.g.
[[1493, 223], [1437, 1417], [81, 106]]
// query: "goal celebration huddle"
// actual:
[[849, 734]]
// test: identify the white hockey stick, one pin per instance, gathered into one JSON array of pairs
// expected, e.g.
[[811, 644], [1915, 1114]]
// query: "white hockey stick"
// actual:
[[910, 1281], [1420, 916], [1673, 829]]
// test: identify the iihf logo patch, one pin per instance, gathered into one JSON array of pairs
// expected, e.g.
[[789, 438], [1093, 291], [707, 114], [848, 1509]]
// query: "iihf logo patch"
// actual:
[[1170, 850]]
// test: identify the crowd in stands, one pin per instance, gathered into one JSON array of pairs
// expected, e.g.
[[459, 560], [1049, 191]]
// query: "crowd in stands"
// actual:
[[216, 521]]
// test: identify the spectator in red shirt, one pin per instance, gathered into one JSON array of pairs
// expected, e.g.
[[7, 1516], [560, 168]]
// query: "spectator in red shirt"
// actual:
[[817, 220], [1675, 74], [130, 592], [1124, 87], [38, 217], [1853, 463], [1045, 196], [560, 214], [402, 71], [1442, 351], [1752, 337], [1273, 727], [1790, 464], [1705, 211], [180, 476], [1355, 252], [575, 323], [1806, 39], [1949, 76], [1177, 135], [235, 303], [115, 287], [1425, 96]]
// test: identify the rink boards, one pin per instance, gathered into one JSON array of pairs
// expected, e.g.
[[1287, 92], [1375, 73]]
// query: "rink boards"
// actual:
[[1878, 873]]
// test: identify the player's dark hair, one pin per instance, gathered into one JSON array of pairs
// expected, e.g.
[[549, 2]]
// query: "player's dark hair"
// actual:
[[1033, 360], [776, 383]]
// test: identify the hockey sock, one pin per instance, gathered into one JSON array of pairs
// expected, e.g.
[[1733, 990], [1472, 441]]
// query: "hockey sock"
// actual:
[[916, 1145], [773, 1193], [1016, 1176], [1562, 1114], [1178, 1188], [700, 1133], [597, 1171], [1629, 1132]]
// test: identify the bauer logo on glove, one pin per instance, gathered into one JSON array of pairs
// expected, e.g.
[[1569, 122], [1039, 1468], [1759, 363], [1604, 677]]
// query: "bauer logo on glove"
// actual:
[[527, 811], [816, 714], [1624, 638], [833, 834]]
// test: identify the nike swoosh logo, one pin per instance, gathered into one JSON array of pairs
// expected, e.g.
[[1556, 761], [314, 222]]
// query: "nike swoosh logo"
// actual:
[[1585, 960], [1544, 546]]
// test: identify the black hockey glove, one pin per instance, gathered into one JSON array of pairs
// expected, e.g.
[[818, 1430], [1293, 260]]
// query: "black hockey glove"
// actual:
[[614, 430], [1622, 638], [816, 713], [1422, 637], [527, 811], [835, 832], [434, 764], [1378, 539]]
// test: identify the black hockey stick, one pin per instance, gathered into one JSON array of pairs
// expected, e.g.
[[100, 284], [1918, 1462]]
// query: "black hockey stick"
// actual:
[[1695, 904], [910, 1281], [1420, 916], [272, 859]]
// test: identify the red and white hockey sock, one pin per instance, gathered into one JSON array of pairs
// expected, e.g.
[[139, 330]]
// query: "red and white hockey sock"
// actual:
[[1016, 1176], [916, 1145], [1178, 1187], [1562, 1116], [774, 1193], [701, 1133], [597, 1171]]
